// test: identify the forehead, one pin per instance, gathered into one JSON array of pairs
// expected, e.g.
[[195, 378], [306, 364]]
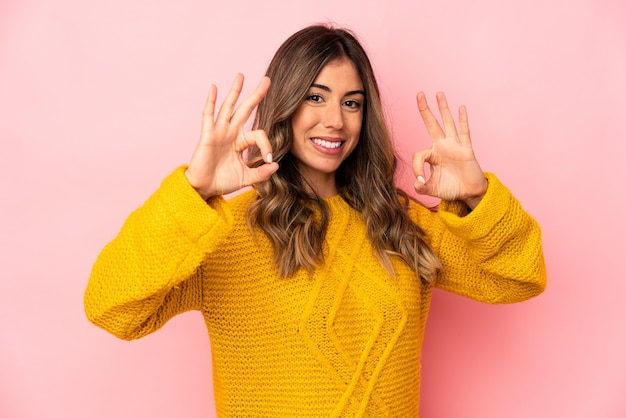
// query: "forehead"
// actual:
[[340, 75]]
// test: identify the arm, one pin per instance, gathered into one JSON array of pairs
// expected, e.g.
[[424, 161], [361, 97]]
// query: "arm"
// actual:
[[492, 254], [489, 247], [149, 272]]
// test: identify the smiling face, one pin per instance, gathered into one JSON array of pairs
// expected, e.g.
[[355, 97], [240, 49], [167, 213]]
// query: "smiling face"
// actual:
[[327, 124]]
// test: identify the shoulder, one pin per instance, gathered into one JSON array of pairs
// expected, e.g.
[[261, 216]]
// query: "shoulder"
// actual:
[[241, 200], [425, 217], [418, 211], [235, 205]]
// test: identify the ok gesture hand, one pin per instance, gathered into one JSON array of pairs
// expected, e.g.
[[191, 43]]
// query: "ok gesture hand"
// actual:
[[217, 166], [455, 173]]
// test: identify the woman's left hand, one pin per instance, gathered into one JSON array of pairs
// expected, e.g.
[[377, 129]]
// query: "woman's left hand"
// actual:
[[454, 172]]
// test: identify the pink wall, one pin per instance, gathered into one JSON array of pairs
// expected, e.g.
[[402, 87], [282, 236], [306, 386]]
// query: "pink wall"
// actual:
[[100, 100]]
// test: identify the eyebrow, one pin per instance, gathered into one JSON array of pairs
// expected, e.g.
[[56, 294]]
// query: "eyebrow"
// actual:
[[326, 88]]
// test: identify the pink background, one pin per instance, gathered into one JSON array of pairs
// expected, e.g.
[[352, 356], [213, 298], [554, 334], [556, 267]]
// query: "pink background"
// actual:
[[100, 100]]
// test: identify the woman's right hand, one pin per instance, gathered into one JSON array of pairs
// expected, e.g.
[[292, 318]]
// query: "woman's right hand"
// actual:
[[217, 166]]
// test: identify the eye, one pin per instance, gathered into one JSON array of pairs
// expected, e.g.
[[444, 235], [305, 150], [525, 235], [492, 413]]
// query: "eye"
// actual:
[[314, 98], [352, 104]]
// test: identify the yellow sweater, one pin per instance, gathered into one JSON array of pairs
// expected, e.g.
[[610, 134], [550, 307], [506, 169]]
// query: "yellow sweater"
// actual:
[[344, 342]]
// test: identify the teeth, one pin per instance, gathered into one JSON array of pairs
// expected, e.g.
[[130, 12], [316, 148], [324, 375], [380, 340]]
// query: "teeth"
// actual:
[[326, 144]]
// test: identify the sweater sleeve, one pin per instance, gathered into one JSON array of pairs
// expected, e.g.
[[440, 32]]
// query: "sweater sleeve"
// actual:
[[150, 271], [492, 254]]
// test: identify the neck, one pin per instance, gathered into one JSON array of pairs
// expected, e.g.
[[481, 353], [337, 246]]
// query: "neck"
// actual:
[[323, 190], [321, 184]]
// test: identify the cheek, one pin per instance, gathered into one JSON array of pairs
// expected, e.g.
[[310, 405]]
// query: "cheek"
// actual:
[[356, 124], [302, 120], [295, 123]]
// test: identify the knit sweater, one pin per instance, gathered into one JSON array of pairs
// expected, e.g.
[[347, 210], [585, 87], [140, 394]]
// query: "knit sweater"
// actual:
[[342, 341]]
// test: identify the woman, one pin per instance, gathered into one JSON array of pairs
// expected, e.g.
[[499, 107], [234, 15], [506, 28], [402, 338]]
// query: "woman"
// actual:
[[315, 284]]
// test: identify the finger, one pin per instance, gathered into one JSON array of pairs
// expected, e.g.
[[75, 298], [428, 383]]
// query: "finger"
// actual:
[[208, 113], [446, 116], [260, 139], [419, 160], [430, 121], [246, 108], [264, 171], [226, 110], [464, 130]]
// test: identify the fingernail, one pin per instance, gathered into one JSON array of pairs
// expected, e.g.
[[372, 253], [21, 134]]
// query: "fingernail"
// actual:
[[421, 179], [269, 157]]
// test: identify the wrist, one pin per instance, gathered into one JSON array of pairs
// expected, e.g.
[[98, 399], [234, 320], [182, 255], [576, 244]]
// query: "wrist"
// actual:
[[204, 194], [473, 200]]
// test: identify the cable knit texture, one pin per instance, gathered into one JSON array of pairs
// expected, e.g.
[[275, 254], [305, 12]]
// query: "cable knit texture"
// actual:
[[342, 342]]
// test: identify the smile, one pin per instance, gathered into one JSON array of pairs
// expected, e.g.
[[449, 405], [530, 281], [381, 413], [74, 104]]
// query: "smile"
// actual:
[[327, 144]]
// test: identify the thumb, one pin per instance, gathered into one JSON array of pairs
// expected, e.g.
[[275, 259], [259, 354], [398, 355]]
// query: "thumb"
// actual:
[[262, 173]]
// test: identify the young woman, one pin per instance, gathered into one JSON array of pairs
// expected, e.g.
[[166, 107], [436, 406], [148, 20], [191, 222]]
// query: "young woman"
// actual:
[[315, 284]]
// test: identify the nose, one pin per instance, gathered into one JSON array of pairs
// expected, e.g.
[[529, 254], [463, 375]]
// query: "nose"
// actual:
[[333, 116]]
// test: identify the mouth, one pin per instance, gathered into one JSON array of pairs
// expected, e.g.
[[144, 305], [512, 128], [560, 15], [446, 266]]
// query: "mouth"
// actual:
[[330, 145]]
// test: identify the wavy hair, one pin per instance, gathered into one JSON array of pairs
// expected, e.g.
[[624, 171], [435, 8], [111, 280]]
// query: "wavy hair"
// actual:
[[296, 219]]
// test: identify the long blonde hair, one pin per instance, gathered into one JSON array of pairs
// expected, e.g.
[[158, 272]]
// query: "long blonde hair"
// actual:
[[296, 220]]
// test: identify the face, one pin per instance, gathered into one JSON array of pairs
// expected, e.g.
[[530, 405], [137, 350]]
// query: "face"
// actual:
[[327, 125]]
